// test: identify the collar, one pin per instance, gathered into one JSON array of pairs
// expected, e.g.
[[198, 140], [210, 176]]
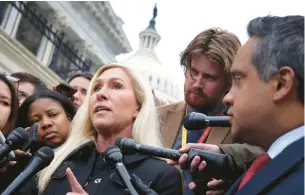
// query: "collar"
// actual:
[[220, 108], [133, 158], [87, 155], [89, 147], [284, 141]]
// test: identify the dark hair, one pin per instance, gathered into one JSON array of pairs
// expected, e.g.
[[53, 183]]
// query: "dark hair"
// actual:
[[11, 123], [54, 95], [281, 44], [219, 46], [86, 75], [29, 78]]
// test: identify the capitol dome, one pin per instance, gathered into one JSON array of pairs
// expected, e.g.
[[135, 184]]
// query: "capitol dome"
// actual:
[[146, 62]]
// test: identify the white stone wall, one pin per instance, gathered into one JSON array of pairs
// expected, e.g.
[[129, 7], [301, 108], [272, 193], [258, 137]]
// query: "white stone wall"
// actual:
[[88, 23], [92, 27]]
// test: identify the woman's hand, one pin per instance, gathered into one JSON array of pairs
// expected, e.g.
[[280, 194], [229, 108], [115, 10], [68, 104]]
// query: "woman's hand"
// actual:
[[76, 188]]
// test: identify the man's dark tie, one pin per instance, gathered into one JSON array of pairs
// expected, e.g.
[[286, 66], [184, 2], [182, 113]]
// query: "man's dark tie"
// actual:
[[257, 164]]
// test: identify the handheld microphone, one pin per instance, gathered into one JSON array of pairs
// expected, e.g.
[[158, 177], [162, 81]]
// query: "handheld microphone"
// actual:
[[11, 155], [41, 159], [129, 146], [113, 155], [217, 164], [32, 131], [199, 121], [15, 140]]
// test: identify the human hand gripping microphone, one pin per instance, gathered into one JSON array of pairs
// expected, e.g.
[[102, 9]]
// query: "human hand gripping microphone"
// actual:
[[15, 140], [41, 159], [198, 121], [218, 165], [113, 155]]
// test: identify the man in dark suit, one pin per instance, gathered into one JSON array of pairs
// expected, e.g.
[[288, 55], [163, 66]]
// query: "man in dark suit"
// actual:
[[206, 61], [267, 105]]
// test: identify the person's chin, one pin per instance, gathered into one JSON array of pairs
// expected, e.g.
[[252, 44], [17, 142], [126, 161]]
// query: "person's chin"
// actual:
[[102, 126], [235, 133], [76, 106], [195, 103], [53, 142], [238, 134]]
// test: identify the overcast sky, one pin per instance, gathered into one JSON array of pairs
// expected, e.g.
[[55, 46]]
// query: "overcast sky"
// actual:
[[178, 22]]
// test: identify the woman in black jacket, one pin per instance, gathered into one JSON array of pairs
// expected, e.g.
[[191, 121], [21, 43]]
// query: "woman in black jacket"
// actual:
[[118, 104], [54, 113]]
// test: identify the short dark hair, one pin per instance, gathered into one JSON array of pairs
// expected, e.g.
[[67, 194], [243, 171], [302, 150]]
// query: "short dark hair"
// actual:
[[11, 123], [281, 44], [66, 104], [29, 78], [86, 75]]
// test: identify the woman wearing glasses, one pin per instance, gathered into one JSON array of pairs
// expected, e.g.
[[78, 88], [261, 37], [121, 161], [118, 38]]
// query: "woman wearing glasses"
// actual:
[[8, 103]]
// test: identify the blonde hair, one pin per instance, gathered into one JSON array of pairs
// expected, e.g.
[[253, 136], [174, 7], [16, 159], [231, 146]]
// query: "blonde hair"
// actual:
[[145, 127]]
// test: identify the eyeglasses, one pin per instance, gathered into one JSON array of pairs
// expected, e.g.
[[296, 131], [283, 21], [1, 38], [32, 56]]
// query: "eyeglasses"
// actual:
[[14, 80]]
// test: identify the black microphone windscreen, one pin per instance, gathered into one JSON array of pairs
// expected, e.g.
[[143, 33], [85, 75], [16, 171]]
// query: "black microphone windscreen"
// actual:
[[113, 155], [20, 132], [127, 145], [194, 120], [118, 142], [186, 119], [45, 153], [41, 159], [199, 121], [18, 138], [111, 149]]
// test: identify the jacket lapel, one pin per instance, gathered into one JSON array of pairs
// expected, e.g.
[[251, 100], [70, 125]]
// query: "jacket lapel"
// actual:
[[129, 161], [277, 167], [218, 135], [234, 187], [85, 156], [172, 122]]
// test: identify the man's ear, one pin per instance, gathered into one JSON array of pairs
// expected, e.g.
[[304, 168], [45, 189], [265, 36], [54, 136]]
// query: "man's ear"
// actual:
[[285, 82]]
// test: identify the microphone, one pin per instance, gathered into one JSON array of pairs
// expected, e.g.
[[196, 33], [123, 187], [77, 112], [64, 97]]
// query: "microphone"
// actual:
[[15, 140], [113, 155], [11, 155], [218, 165], [41, 159], [129, 146], [199, 121]]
